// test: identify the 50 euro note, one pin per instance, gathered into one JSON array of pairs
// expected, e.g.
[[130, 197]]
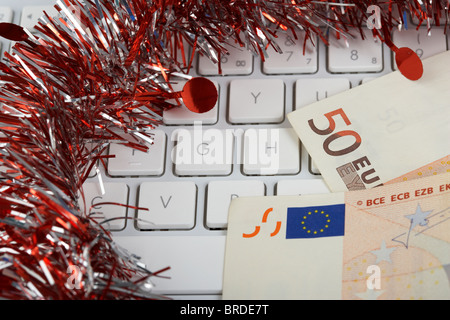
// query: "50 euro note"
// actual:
[[391, 242], [388, 130]]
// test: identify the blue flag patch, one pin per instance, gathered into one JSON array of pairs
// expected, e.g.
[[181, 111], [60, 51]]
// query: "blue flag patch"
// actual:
[[315, 222]]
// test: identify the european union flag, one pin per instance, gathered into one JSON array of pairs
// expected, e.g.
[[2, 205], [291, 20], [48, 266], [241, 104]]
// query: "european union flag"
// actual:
[[315, 222]]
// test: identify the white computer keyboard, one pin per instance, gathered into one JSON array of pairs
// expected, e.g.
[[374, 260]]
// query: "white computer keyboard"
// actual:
[[199, 162]]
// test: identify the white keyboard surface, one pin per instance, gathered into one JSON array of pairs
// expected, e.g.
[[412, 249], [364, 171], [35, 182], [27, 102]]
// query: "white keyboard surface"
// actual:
[[244, 146]]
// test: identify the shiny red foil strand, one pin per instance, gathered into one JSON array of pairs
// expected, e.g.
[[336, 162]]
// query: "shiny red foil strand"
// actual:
[[73, 87], [40, 78], [12, 32]]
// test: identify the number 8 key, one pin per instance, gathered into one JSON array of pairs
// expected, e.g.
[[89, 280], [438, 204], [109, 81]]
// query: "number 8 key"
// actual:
[[355, 55]]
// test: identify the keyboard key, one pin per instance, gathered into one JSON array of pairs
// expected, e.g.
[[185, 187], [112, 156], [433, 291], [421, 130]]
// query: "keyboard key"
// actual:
[[182, 115], [31, 15], [6, 14], [93, 172], [238, 62], [131, 162], [202, 152], [94, 168], [355, 55], [308, 91], [441, 21], [196, 263], [256, 101], [183, 54], [292, 59], [301, 186], [418, 40], [171, 205], [220, 194], [271, 151], [114, 193], [367, 79], [313, 167]]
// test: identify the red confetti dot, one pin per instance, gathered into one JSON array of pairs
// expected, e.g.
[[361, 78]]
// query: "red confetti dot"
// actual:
[[409, 63], [199, 95]]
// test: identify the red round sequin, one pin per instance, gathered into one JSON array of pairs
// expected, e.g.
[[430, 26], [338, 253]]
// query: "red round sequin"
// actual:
[[199, 95], [409, 63]]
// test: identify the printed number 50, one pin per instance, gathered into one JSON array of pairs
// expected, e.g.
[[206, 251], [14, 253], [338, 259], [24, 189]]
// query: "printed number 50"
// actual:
[[331, 126]]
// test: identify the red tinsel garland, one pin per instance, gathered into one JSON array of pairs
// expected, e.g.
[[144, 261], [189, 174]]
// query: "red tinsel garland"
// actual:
[[100, 72]]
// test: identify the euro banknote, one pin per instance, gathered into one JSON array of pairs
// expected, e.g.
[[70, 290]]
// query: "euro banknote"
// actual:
[[391, 242], [389, 129]]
